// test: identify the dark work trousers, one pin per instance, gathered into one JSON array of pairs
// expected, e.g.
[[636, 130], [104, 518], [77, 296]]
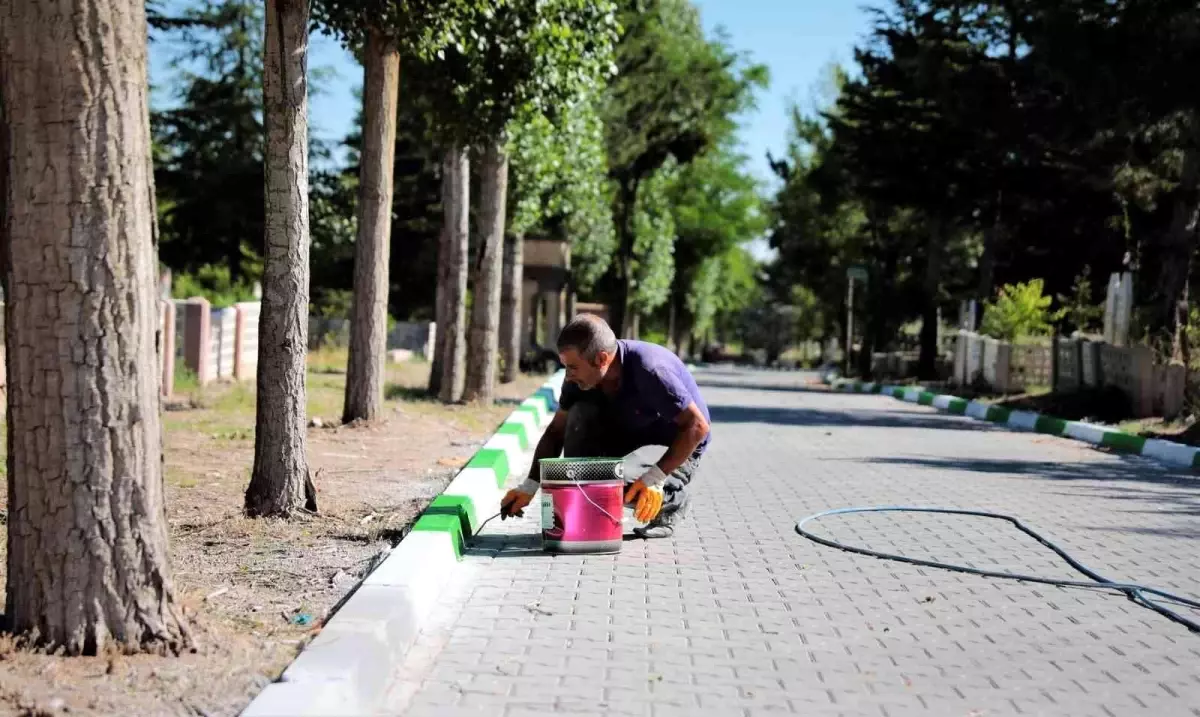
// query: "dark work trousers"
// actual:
[[592, 432]]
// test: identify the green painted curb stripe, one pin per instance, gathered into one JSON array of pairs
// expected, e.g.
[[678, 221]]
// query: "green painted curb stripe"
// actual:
[[1049, 424], [435, 522], [1123, 442], [493, 458], [1196, 461], [898, 393], [925, 399], [460, 506], [877, 388], [515, 429], [958, 407], [998, 414]]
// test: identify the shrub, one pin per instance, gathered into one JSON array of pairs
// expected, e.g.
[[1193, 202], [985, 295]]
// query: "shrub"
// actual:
[[1019, 311]]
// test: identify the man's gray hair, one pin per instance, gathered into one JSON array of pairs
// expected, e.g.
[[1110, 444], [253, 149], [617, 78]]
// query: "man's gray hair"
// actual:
[[589, 335]]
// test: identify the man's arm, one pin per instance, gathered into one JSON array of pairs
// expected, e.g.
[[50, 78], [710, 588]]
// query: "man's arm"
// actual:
[[550, 444], [693, 428]]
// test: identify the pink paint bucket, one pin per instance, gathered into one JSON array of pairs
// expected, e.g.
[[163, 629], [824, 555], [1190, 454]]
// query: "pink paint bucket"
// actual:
[[582, 501]]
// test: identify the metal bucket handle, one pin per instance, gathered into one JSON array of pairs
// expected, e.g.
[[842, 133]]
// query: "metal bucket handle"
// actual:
[[618, 471]]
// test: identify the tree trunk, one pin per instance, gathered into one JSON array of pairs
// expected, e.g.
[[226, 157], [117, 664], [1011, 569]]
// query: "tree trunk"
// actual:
[[484, 340], [368, 317], [571, 308], [280, 484], [672, 343], [511, 339], [684, 343], [456, 193], [619, 312], [927, 359], [1176, 249], [439, 314], [87, 538]]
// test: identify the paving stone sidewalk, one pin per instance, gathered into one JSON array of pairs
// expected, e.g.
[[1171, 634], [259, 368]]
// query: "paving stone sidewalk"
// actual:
[[739, 615]]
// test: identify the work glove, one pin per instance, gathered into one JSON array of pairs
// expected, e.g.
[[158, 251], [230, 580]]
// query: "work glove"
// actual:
[[514, 502], [646, 494]]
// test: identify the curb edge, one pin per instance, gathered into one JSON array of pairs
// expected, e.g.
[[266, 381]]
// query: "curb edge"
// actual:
[[347, 667], [1170, 453]]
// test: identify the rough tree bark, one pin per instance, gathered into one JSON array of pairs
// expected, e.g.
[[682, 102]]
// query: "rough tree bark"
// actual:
[[484, 339], [280, 484], [368, 322], [510, 308], [456, 194], [87, 541]]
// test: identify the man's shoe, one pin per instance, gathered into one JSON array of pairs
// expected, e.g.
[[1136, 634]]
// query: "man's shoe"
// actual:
[[661, 527]]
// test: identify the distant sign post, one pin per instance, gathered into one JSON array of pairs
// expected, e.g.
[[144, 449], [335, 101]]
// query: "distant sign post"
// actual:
[[853, 274]]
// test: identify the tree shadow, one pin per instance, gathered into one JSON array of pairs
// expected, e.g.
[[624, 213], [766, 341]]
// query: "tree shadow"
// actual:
[[1151, 488], [504, 545], [758, 386], [845, 419], [396, 392]]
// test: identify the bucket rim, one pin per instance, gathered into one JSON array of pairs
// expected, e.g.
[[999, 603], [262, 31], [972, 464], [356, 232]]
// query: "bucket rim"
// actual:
[[572, 482], [581, 460]]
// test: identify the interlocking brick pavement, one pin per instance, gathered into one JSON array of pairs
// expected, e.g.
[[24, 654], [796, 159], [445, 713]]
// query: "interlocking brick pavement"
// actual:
[[739, 615]]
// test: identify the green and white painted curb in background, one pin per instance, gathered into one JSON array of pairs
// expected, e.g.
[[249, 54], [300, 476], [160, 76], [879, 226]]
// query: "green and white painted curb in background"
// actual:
[[348, 668], [1174, 454]]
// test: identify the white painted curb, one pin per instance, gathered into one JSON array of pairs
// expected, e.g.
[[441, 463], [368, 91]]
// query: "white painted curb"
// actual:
[[1086, 432], [1023, 420], [349, 667], [1174, 453]]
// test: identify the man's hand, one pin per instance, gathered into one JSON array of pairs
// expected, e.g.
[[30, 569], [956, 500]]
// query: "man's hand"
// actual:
[[515, 501], [646, 494]]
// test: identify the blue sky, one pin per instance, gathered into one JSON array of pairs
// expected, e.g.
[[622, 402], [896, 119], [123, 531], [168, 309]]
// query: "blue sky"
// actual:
[[795, 39]]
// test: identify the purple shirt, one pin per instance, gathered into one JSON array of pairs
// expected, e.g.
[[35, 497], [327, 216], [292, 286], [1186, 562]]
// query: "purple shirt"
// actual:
[[655, 388]]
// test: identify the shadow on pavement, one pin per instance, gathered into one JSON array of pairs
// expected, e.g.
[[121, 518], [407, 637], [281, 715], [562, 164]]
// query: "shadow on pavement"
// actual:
[[505, 545], [755, 386], [847, 419], [1166, 493]]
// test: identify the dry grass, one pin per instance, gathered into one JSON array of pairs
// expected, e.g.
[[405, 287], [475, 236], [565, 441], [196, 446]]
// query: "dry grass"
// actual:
[[255, 590]]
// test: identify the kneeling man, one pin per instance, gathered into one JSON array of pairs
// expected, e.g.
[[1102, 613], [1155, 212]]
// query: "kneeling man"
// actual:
[[619, 396]]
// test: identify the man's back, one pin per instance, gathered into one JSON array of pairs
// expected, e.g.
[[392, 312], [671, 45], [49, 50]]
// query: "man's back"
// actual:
[[655, 388]]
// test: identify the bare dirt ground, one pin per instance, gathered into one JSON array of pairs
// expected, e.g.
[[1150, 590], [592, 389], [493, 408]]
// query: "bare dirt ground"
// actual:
[[255, 590]]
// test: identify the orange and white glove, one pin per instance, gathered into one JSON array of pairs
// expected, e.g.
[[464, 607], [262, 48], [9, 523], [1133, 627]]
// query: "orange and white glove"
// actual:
[[646, 494], [514, 502]]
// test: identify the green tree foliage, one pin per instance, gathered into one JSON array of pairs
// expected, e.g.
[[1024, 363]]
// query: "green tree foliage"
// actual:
[[653, 264], [716, 206], [533, 56], [980, 143], [1080, 312], [558, 184], [1019, 311], [420, 28], [676, 93], [209, 141]]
